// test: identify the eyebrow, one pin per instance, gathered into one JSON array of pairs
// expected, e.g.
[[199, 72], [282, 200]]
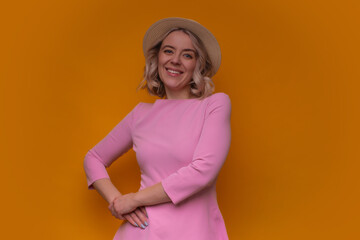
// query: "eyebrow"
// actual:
[[186, 49]]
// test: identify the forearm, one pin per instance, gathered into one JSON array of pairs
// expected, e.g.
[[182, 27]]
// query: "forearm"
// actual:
[[106, 189], [152, 195]]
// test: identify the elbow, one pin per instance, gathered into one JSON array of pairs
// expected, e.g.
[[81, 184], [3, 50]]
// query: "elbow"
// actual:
[[89, 164], [207, 174], [207, 180], [94, 169], [88, 161], [92, 163]]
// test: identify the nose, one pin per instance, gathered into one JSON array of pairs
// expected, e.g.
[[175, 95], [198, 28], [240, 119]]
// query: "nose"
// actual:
[[176, 59]]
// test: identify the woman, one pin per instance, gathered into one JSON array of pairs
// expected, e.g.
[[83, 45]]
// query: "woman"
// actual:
[[181, 141]]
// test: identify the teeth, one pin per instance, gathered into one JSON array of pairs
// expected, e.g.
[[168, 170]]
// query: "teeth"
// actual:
[[172, 71]]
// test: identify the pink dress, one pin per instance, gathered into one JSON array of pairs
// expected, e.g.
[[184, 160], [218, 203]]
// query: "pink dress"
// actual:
[[183, 144]]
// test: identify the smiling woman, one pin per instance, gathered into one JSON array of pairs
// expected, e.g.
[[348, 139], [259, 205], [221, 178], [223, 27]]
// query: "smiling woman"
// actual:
[[201, 85], [176, 64], [181, 142]]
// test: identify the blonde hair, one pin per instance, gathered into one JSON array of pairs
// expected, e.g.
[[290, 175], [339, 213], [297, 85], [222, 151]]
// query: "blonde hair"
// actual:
[[201, 85]]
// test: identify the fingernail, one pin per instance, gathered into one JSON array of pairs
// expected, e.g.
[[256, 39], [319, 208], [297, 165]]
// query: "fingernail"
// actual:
[[146, 224], [142, 226], [136, 225]]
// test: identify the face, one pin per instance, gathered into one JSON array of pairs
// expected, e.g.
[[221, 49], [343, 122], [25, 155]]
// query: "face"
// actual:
[[176, 64]]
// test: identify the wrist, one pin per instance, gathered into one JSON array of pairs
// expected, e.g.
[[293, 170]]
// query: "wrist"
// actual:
[[138, 198], [114, 197]]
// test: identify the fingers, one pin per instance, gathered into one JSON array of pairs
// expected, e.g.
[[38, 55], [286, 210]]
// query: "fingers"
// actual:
[[142, 217], [114, 213], [143, 209], [129, 218], [134, 220], [125, 204], [137, 218], [140, 222]]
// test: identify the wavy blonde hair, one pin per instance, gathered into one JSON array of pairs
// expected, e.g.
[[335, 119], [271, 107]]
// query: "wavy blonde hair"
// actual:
[[201, 85]]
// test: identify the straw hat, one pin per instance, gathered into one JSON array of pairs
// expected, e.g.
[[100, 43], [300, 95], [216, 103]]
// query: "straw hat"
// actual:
[[161, 27]]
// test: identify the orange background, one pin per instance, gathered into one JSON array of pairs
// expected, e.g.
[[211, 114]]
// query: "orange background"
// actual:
[[69, 70]]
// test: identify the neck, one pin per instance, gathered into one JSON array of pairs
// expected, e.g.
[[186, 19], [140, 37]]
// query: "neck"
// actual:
[[179, 95]]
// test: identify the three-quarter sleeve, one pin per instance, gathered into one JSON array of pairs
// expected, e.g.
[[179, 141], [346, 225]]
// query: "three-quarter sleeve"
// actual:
[[209, 155], [117, 142]]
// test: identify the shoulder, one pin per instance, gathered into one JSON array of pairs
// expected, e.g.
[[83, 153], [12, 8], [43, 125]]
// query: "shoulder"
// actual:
[[219, 99], [218, 102], [142, 106], [140, 110]]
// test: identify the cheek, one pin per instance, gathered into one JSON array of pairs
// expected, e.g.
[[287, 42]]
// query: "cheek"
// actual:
[[161, 59], [160, 64], [191, 67]]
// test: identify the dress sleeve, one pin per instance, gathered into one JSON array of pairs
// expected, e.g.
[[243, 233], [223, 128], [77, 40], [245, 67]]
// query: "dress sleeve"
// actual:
[[209, 155], [117, 142]]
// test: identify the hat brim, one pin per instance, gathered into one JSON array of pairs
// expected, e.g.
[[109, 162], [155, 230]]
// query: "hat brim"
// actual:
[[161, 27]]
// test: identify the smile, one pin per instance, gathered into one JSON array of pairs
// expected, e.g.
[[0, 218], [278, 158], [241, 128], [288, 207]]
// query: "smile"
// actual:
[[173, 72]]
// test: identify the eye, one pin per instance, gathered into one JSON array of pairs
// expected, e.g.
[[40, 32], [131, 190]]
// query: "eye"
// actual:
[[189, 56], [168, 51]]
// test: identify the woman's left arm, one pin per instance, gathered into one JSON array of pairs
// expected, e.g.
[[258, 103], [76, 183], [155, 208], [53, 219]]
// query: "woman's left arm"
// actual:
[[209, 155]]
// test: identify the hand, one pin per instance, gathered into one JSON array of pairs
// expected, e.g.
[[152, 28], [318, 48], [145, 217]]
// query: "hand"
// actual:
[[138, 217], [125, 204]]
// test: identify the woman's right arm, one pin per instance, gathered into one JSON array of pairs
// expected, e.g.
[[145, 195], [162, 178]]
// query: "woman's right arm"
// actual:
[[117, 142]]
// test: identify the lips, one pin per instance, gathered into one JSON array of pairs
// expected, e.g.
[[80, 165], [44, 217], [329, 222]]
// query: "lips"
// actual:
[[173, 71]]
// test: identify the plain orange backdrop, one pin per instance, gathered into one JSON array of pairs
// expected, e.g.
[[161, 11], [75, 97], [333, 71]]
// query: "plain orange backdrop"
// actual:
[[68, 74]]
